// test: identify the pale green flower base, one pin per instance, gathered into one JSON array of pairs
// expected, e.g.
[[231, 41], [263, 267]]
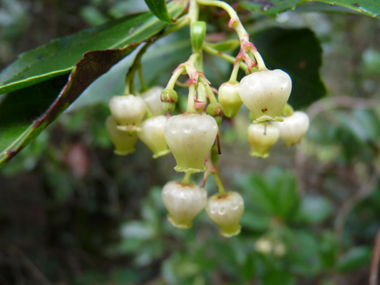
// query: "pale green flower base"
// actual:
[[259, 154], [179, 225], [230, 232], [266, 118], [123, 152], [128, 128], [189, 170], [161, 153]]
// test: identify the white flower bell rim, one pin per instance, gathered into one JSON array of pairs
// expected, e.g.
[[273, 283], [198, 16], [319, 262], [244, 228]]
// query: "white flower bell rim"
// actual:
[[265, 93], [124, 142], [190, 137], [183, 203], [229, 97], [153, 135], [127, 111], [261, 138], [153, 100], [225, 210], [293, 128]]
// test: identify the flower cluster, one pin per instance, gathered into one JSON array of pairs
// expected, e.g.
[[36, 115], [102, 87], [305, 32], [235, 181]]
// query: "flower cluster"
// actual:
[[193, 136]]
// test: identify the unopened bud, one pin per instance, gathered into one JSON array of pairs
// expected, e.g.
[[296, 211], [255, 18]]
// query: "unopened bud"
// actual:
[[215, 110], [169, 98]]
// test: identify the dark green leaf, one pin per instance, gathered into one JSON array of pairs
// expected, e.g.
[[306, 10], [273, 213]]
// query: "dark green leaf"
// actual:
[[354, 259], [21, 126], [276, 277], [158, 8], [60, 55], [298, 52], [270, 7], [369, 8], [313, 210]]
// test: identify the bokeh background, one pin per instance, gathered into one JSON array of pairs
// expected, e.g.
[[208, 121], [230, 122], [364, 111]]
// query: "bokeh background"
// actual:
[[71, 212]]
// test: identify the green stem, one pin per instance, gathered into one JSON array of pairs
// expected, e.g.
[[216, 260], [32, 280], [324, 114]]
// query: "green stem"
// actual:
[[179, 24], [210, 94], [141, 78], [191, 99], [259, 60], [237, 25], [235, 71], [186, 179], [207, 48], [219, 183], [174, 77]]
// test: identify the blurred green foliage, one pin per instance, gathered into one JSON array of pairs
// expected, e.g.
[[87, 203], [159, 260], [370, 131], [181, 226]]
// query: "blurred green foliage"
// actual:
[[73, 213]]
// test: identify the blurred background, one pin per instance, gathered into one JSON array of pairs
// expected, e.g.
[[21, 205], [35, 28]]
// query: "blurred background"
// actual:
[[72, 212]]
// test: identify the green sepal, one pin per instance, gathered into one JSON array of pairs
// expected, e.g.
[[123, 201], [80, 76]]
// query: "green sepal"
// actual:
[[287, 111], [169, 98], [215, 110], [198, 33]]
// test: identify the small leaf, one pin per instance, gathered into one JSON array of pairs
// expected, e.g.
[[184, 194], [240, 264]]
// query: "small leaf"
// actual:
[[313, 210], [297, 52], [355, 258], [158, 8], [225, 45]]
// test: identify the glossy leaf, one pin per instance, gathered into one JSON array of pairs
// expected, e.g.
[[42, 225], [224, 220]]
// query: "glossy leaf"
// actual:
[[369, 8], [22, 117], [158, 8], [60, 55], [297, 52]]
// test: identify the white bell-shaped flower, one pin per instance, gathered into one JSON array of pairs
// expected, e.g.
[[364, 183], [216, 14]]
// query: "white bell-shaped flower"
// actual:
[[124, 142], [229, 97], [265, 93], [293, 128], [225, 210], [153, 100], [190, 138], [153, 135], [261, 138], [127, 111], [183, 203]]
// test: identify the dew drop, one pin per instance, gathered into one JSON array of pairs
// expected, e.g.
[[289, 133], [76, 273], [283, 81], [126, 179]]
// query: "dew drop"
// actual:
[[222, 210]]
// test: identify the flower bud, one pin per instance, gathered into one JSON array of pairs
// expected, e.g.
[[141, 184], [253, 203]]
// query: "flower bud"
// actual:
[[153, 135], [261, 138], [127, 111], [265, 93], [229, 97], [183, 203], [225, 210], [124, 142], [215, 110], [169, 98], [293, 128], [190, 138], [152, 98]]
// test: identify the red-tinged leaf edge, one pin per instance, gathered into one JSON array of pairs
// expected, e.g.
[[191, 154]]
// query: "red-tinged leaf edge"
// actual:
[[87, 70]]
